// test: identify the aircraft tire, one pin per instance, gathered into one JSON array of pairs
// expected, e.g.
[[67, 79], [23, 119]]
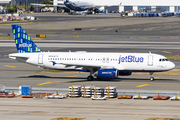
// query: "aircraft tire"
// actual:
[[90, 78], [151, 78]]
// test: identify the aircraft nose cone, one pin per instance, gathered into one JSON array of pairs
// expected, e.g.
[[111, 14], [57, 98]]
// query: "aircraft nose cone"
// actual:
[[172, 65]]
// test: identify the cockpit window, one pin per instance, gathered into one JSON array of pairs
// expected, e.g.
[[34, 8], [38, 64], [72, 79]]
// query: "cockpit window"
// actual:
[[160, 60]]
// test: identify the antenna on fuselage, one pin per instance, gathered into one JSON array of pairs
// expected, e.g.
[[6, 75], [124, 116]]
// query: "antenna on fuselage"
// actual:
[[69, 50], [149, 52]]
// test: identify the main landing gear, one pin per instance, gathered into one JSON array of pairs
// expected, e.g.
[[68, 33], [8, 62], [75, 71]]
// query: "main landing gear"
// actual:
[[90, 77], [151, 78]]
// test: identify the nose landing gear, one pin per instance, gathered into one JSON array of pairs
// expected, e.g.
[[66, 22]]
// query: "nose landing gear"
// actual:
[[151, 78]]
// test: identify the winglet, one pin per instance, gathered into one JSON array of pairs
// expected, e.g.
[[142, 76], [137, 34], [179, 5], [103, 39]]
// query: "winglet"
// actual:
[[23, 42]]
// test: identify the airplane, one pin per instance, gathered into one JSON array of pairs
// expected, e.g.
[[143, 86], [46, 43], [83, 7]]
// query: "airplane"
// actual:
[[100, 65], [81, 6], [75, 6]]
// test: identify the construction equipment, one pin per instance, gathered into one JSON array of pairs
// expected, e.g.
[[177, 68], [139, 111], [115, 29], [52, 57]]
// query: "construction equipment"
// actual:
[[98, 98], [2, 88], [56, 96], [27, 96], [86, 91], [110, 92], [75, 91], [98, 93], [175, 97], [7, 94], [161, 97], [140, 97], [124, 96]]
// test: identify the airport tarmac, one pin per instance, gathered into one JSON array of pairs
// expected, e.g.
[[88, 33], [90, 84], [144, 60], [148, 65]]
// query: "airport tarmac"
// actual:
[[111, 109], [14, 74], [98, 34]]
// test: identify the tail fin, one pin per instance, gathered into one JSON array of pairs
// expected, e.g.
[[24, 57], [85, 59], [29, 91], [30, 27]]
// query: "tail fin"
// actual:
[[24, 44]]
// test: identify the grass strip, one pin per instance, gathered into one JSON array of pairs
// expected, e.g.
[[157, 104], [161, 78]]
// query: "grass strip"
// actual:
[[176, 57]]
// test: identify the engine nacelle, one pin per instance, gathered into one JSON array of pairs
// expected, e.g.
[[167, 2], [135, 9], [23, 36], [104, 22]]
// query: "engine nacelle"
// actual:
[[107, 73], [124, 73]]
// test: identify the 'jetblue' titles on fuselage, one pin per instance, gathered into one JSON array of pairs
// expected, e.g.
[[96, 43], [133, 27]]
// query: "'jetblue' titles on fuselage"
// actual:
[[130, 58]]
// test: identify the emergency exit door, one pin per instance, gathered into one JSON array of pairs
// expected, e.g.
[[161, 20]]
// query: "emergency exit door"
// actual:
[[40, 59], [150, 60]]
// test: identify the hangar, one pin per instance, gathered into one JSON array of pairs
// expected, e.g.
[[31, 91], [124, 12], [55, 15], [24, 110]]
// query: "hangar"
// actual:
[[133, 5]]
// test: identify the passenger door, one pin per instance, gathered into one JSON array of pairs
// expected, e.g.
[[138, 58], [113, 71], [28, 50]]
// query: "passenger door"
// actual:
[[150, 60], [40, 59]]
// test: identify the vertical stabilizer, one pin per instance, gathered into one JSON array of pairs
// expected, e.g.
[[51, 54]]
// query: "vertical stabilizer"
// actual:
[[23, 42]]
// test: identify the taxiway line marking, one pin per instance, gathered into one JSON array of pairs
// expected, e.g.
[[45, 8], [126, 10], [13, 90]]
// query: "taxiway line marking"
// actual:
[[166, 52], [156, 77], [73, 76], [44, 83], [142, 85], [10, 66]]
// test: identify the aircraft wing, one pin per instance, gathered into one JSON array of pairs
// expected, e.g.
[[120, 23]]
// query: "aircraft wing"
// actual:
[[120, 67], [82, 65]]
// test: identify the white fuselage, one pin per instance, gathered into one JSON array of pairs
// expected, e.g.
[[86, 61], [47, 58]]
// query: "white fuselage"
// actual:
[[135, 62]]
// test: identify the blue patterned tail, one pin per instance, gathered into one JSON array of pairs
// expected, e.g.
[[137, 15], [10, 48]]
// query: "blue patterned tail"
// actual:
[[24, 44]]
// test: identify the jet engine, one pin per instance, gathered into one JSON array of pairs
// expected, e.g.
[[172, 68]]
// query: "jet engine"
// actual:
[[107, 73]]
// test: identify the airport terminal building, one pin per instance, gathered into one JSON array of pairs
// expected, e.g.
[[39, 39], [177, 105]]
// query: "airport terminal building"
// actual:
[[115, 5], [133, 5]]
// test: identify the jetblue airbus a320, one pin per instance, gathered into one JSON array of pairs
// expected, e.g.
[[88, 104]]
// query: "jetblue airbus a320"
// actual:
[[100, 65]]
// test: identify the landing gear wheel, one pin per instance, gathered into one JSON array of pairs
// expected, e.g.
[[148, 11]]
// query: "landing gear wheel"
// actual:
[[151, 78], [90, 78]]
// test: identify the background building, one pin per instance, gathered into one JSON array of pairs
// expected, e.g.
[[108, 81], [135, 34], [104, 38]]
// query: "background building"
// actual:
[[3, 3], [133, 5], [22, 2]]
